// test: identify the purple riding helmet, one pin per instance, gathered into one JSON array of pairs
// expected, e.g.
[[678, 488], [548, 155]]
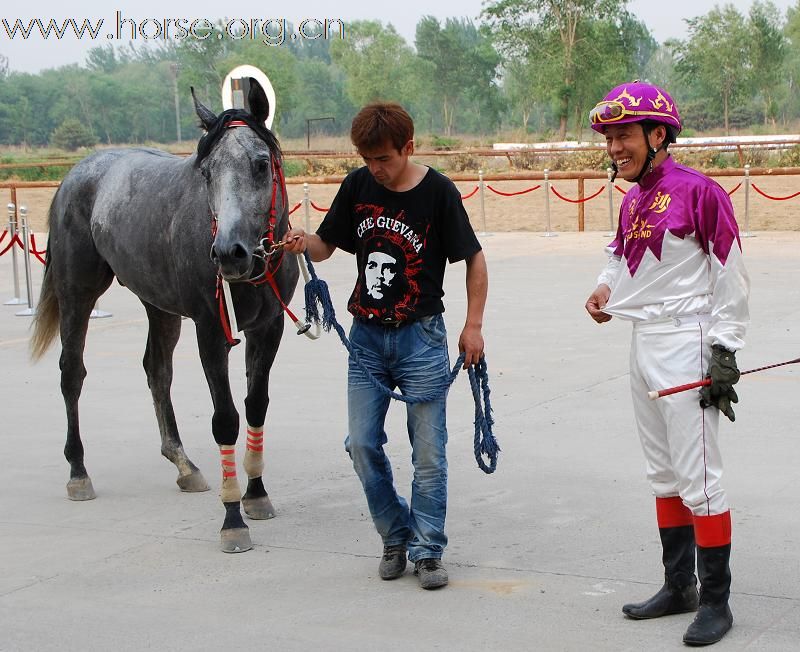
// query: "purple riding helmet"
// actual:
[[635, 102], [638, 102]]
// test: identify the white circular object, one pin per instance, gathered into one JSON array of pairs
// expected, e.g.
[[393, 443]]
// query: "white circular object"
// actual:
[[249, 71]]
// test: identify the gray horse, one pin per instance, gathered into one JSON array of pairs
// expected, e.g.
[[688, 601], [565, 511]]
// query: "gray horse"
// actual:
[[150, 219]]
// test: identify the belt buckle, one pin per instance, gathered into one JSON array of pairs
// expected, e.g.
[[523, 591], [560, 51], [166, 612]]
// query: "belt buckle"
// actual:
[[392, 323]]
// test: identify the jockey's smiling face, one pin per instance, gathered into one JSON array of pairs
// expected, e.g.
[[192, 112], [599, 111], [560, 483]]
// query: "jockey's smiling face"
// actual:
[[627, 147], [387, 164]]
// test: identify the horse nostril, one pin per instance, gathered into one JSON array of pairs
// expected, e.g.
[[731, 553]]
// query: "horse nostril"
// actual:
[[239, 252]]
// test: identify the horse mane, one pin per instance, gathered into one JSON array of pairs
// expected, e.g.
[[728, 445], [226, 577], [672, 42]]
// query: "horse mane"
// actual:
[[215, 132]]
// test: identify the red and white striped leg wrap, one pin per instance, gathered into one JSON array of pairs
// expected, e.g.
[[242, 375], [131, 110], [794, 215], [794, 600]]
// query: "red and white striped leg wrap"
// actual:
[[230, 491], [254, 456]]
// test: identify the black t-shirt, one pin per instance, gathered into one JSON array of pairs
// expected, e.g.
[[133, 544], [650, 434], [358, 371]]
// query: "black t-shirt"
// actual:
[[401, 241]]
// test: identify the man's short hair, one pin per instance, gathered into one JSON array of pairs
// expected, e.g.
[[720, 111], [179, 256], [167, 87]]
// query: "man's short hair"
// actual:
[[379, 123]]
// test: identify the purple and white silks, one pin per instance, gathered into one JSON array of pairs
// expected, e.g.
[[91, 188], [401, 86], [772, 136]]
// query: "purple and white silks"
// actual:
[[677, 252]]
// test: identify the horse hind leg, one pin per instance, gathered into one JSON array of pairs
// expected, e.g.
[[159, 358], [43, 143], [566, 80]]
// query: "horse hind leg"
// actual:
[[162, 337], [75, 310]]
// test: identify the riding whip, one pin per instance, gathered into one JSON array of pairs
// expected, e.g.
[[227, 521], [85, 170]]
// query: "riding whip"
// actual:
[[707, 381]]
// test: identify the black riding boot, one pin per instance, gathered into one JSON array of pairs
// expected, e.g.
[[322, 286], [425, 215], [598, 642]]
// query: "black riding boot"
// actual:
[[714, 617], [679, 593]]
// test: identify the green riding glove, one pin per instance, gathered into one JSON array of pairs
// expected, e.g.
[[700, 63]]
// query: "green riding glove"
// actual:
[[724, 375]]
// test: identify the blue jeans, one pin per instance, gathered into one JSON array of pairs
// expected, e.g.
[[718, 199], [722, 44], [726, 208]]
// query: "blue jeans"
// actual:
[[414, 359]]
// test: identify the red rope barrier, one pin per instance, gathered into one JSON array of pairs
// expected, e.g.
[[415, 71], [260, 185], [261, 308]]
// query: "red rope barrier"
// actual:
[[624, 192], [298, 205], [512, 194], [36, 253], [730, 192], [762, 193], [318, 208], [11, 243], [576, 201], [463, 197], [3, 236]]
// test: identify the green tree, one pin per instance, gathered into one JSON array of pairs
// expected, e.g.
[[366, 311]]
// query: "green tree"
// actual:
[[769, 53], [716, 60], [462, 62], [791, 66], [550, 32], [524, 85], [623, 44], [320, 93], [378, 63], [103, 59], [72, 134]]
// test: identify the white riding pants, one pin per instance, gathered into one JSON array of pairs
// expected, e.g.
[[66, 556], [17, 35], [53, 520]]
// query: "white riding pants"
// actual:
[[679, 438]]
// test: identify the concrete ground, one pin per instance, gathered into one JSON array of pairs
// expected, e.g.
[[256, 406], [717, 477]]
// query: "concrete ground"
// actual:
[[542, 554]]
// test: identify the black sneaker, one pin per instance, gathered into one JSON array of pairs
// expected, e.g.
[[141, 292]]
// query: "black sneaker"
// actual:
[[393, 562], [431, 572]]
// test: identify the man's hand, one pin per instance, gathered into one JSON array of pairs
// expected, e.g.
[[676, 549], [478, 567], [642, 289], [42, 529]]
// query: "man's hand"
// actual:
[[597, 301], [295, 240], [724, 375], [470, 343], [298, 241]]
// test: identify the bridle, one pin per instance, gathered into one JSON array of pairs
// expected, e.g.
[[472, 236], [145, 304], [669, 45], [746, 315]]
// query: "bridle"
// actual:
[[265, 251]]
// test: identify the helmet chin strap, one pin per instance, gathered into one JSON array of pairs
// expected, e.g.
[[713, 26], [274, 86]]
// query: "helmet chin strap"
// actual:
[[651, 154], [648, 163]]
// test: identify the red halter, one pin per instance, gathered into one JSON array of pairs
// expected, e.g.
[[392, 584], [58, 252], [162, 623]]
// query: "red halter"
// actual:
[[268, 236]]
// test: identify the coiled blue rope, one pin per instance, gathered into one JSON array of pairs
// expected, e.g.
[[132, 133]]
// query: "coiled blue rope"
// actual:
[[319, 309]]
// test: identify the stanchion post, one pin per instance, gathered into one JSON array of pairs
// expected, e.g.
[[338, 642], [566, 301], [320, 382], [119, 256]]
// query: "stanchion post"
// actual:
[[581, 204], [12, 231], [610, 188], [548, 233], [26, 259], [483, 205], [746, 233], [307, 206]]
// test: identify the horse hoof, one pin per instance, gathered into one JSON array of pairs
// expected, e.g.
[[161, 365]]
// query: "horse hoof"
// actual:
[[80, 489], [258, 509], [236, 540], [192, 482]]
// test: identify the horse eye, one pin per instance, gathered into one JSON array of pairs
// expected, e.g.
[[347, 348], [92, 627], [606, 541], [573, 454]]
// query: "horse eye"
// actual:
[[260, 166]]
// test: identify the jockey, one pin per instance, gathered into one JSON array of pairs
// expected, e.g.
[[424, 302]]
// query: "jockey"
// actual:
[[675, 270]]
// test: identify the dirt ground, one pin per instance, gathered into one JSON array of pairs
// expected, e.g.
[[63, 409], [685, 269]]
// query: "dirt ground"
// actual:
[[526, 212]]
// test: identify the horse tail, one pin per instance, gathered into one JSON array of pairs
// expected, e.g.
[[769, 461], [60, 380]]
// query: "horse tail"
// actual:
[[46, 320]]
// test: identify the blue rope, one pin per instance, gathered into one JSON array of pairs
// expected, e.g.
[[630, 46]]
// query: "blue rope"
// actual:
[[318, 298]]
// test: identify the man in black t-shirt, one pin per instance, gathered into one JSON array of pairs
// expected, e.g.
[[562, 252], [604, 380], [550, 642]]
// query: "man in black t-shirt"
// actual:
[[404, 222]]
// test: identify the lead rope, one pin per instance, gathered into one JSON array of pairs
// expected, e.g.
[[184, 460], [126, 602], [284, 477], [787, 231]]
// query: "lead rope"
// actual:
[[318, 296]]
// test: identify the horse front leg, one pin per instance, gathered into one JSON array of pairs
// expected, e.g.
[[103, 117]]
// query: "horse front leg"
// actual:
[[260, 354], [234, 535], [162, 336]]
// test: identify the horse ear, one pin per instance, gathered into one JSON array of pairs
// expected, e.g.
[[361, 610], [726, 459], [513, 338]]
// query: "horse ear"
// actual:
[[207, 117], [258, 102]]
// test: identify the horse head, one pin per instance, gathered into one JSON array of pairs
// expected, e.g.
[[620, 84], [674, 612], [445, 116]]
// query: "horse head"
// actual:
[[240, 160]]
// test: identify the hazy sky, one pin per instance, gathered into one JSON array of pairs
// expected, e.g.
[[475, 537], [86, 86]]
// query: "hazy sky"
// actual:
[[665, 19]]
